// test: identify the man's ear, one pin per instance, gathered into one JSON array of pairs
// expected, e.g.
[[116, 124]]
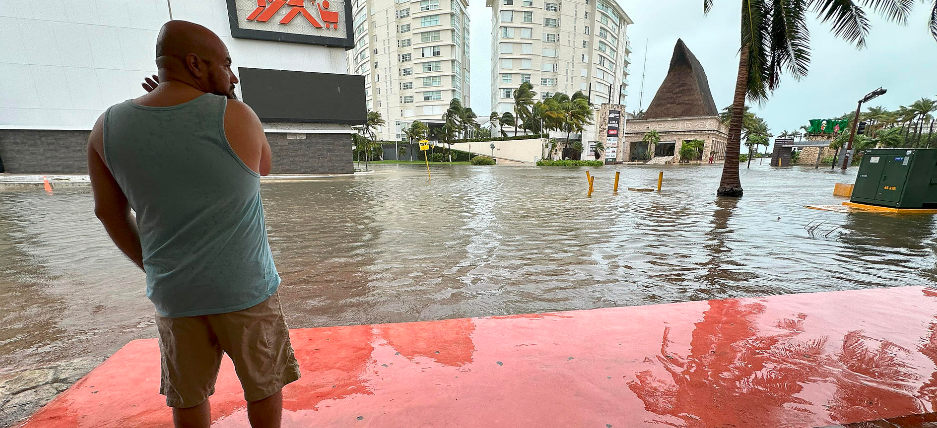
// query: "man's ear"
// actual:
[[195, 65]]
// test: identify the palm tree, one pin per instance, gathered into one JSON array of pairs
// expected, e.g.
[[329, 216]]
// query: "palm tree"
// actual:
[[416, 131], [369, 129], [922, 108], [775, 40], [572, 114], [446, 133], [651, 137], [523, 99], [507, 119], [495, 120]]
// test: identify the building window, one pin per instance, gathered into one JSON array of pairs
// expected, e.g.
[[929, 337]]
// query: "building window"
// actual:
[[431, 51], [528, 17], [586, 30], [585, 44], [434, 110], [527, 48], [549, 52], [403, 43], [407, 99], [528, 3], [375, 65], [549, 22], [507, 93], [527, 33], [603, 34], [525, 78], [432, 81], [406, 85], [507, 33], [583, 72], [547, 81], [587, 13], [428, 21], [432, 95], [552, 7], [403, 13], [525, 64], [429, 5], [406, 71], [507, 64], [550, 38], [432, 66], [430, 36], [507, 16], [405, 57], [405, 28], [506, 78], [507, 2], [506, 48]]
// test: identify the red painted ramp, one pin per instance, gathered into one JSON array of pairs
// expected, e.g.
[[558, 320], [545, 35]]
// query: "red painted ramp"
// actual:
[[783, 361]]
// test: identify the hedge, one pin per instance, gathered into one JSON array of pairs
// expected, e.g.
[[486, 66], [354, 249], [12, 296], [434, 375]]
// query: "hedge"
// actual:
[[569, 163], [482, 160]]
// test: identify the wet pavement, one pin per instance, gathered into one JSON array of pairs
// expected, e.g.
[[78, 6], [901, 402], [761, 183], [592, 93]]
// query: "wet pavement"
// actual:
[[801, 360], [391, 247]]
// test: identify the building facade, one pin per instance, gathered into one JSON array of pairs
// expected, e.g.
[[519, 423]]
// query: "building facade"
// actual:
[[63, 63], [559, 46], [414, 56]]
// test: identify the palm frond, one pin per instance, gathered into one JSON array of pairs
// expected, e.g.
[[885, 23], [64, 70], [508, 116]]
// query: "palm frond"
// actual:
[[755, 36], [847, 18], [893, 10], [933, 21], [707, 5], [790, 40]]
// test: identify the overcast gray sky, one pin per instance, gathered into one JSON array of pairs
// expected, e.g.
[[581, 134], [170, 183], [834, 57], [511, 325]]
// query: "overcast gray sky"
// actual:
[[902, 59]]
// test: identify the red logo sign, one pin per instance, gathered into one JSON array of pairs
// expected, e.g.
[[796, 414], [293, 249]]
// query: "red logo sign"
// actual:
[[265, 11], [612, 131]]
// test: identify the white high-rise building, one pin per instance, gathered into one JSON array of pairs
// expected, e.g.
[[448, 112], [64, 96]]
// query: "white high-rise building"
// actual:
[[559, 46], [414, 55]]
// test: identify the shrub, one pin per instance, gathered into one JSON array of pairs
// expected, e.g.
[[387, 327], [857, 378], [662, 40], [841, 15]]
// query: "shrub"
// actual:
[[482, 160], [744, 158], [437, 157], [827, 160], [795, 156], [569, 163]]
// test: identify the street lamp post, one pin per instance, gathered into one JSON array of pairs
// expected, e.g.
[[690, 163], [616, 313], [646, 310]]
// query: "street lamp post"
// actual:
[[852, 133], [492, 150]]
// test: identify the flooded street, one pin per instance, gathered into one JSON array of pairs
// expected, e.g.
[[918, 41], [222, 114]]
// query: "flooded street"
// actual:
[[476, 241]]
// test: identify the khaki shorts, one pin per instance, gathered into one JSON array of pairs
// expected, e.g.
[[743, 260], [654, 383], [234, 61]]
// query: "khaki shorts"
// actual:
[[256, 339]]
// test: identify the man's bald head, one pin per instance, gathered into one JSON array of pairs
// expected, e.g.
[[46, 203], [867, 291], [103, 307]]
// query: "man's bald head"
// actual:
[[192, 54]]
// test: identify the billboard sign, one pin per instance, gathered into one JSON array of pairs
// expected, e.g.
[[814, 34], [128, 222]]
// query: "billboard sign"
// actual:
[[611, 135], [827, 126], [314, 22]]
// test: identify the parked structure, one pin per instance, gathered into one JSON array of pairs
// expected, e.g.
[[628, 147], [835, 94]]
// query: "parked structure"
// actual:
[[62, 66], [414, 56], [568, 46], [682, 110]]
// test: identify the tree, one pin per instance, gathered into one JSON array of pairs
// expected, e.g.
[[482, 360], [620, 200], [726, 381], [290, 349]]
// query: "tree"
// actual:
[[691, 150], [922, 109], [774, 40], [599, 148], [571, 113], [495, 120], [369, 132], [507, 119], [445, 134], [753, 141], [651, 137], [416, 131], [523, 99], [751, 123]]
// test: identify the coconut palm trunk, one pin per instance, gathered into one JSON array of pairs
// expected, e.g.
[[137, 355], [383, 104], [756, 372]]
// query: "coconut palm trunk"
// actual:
[[730, 184]]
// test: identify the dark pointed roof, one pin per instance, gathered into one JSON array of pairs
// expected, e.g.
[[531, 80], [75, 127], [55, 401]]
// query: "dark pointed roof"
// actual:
[[685, 91]]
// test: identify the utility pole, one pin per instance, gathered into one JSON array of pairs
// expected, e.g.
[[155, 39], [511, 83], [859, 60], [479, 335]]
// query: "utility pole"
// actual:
[[852, 133]]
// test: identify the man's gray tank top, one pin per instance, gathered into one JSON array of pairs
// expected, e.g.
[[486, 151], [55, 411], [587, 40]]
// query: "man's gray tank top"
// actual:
[[198, 207]]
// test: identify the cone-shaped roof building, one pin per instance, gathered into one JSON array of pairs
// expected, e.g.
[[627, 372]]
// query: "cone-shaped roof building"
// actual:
[[685, 91]]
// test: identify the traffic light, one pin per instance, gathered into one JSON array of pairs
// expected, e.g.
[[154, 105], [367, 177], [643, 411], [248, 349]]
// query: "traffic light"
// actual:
[[861, 129]]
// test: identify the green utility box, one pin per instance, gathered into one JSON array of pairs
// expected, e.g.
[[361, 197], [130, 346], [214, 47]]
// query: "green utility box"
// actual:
[[899, 178]]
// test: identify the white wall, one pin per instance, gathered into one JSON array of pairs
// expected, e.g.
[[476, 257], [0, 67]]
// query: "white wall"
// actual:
[[517, 150], [63, 62]]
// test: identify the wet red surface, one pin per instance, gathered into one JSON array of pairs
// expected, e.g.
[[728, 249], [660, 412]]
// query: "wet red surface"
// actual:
[[784, 361]]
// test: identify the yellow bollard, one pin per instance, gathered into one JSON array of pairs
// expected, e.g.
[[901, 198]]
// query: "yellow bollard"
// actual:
[[660, 180], [591, 181], [617, 173]]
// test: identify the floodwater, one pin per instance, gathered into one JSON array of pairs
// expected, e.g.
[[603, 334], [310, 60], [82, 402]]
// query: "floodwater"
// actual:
[[475, 241]]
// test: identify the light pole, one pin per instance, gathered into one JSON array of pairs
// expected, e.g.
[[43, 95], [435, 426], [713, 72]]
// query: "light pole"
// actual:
[[852, 129], [492, 150]]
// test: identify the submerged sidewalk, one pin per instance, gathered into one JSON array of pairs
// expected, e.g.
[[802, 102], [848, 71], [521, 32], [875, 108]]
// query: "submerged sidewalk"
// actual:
[[801, 360]]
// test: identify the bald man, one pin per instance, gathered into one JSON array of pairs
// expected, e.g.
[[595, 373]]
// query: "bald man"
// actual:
[[187, 158]]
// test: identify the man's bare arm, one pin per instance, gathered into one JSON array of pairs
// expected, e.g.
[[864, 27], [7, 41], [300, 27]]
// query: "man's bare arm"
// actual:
[[110, 204], [245, 134]]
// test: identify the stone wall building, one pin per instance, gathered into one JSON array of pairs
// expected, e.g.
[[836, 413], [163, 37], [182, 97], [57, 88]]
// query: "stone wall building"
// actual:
[[682, 110]]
